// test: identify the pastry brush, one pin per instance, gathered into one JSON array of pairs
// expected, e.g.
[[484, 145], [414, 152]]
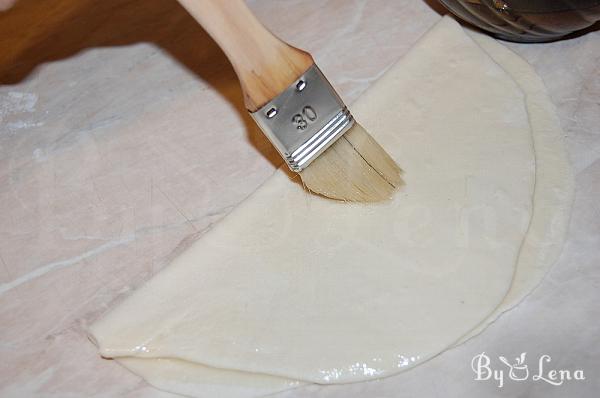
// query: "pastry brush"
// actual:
[[297, 108]]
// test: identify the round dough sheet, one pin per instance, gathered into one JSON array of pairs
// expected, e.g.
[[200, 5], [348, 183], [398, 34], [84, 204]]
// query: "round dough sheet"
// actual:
[[306, 288]]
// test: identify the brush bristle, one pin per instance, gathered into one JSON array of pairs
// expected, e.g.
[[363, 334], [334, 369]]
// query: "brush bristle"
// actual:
[[355, 168]]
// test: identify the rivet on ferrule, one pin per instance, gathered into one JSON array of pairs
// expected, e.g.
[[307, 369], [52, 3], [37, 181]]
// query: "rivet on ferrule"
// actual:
[[300, 85], [271, 113]]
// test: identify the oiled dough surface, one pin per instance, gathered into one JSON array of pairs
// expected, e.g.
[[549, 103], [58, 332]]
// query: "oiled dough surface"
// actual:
[[306, 288], [552, 201]]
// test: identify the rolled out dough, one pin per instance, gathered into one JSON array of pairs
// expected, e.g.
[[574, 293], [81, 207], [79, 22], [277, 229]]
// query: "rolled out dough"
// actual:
[[554, 183], [302, 287], [195, 380]]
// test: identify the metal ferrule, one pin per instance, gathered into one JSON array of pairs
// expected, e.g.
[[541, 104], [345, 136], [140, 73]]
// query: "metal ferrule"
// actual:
[[305, 119]]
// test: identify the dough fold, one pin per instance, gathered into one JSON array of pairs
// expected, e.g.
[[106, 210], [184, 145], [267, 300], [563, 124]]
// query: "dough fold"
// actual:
[[554, 182], [291, 286]]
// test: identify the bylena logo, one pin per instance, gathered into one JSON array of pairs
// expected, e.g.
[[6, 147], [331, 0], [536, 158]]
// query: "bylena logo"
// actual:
[[520, 371]]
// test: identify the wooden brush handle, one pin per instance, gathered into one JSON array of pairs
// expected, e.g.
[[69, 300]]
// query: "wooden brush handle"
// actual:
[[264, 64]]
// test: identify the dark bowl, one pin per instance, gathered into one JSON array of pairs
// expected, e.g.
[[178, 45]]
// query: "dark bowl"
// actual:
[[527, 20]]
